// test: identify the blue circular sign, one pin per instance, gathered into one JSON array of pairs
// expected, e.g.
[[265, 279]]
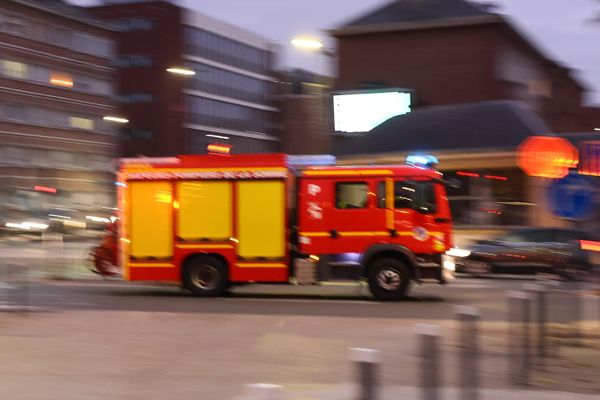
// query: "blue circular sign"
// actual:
[[573, 197]]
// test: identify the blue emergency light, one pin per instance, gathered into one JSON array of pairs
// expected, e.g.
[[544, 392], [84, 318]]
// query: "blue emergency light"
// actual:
[[422, 160]]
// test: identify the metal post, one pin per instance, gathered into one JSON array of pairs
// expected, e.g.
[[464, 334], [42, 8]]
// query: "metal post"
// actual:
[[468, 318], [366, 361], [263, 391], [576, 312], [430, 360], [541, 318], [520, 351]]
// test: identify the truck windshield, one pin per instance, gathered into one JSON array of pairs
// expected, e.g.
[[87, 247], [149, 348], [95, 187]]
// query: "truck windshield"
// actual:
[[415, 195]]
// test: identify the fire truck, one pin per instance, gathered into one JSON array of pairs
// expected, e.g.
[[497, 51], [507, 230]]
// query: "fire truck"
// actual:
[[207, 222]]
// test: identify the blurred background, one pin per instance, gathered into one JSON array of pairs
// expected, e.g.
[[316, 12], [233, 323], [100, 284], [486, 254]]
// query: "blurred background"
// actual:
[[86, 83], [505, 94]]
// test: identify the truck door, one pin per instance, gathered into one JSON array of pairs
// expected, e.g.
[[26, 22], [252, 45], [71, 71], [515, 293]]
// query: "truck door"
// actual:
[[356, 219], [422, 213]]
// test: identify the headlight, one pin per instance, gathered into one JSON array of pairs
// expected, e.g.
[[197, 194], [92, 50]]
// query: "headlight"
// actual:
[[449, 265], [456, 252]]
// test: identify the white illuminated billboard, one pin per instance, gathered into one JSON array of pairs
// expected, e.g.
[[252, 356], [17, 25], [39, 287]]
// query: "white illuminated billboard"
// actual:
[[361, 112]]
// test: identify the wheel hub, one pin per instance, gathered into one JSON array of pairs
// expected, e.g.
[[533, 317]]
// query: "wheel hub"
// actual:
[[206, 277], [389, 279]]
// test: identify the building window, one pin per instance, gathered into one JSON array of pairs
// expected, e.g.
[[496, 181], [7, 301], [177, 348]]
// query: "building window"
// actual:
[[61, 79], [13, 25], [350, 195], [81, 123], [141, 97], [140, 61], [134, 24], [227, 51], [59, 36], [14, 69], [140, 24], [141, 134], [14, 112]]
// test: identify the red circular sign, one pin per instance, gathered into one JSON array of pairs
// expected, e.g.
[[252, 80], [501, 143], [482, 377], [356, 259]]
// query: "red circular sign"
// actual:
[[547, 156]]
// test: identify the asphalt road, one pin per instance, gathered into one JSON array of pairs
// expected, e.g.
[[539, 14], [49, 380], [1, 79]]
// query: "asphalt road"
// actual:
[[429, 301]]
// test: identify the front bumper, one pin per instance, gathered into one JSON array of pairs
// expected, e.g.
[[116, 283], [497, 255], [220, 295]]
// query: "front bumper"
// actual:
[[441, 272]]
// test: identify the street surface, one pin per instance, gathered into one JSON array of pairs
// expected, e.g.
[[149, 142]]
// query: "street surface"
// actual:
[[115, 340], [96, 339]]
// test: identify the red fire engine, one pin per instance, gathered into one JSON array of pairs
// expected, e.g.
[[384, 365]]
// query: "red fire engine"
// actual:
[[208, 222]]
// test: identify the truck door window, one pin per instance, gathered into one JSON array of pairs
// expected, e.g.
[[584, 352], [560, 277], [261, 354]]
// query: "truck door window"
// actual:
[[427, 199], [381, 197], [351, 195], [419, 196], [405, 194]]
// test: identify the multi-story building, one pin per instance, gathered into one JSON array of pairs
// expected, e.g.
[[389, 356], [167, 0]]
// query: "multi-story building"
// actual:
[[56, 150], [225, 97], [458, 51]]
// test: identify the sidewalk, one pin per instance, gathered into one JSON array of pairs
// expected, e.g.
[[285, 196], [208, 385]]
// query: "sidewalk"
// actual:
[[131, 355], [349, 392]]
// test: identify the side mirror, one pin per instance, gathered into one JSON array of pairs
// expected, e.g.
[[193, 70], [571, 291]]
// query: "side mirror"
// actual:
[[453, 183]]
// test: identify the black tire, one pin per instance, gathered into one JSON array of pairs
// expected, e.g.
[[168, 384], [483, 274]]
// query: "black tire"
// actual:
[[205, 276], [389, 279]]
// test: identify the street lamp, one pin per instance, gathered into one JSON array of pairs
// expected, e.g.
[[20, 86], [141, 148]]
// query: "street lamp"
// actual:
[[310, 44], [597, 129], [307, 43], [181, 71]]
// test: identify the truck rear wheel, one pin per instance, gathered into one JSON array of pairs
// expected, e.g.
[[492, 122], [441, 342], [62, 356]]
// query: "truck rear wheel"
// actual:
[[205, 276], [389, 279]]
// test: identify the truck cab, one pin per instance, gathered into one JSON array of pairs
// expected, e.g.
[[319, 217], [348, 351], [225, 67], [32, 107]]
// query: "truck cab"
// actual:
[[389, 225]]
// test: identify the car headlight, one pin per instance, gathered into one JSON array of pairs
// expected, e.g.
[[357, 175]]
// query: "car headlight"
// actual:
[[456, 252]]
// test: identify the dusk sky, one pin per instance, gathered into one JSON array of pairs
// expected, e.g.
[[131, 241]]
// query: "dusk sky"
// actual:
[[560, 28]]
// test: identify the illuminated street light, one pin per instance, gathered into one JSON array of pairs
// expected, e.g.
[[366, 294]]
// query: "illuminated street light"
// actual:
[[115, 119], [597, 129], [306, 43], [181, 71]]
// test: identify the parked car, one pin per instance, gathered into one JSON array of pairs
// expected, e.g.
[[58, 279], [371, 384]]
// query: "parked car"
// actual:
[[558, 251]]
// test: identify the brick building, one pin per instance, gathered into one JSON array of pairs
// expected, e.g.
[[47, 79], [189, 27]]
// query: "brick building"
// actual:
[[55, 89], [456, 51], [229, 99]]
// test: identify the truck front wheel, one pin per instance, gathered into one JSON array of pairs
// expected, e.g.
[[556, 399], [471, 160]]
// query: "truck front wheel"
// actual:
[[389, 279], [205, 276]]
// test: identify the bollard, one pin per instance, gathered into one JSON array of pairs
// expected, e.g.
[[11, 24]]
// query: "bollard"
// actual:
[[520, 342], [541, 318], [468, 370], [366, 361], [430, 360], [16, 286], [263, 391], [576, 312]]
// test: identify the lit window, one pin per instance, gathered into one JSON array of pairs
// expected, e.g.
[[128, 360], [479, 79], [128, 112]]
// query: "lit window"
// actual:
[[61, 79], [14, 69], [81, 123]]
